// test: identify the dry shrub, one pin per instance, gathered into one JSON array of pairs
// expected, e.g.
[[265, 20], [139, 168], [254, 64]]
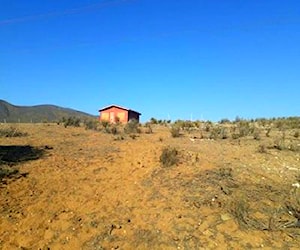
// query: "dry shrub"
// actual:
[[169, 157], [218, 133], [7, 172], [241, 211], [244, 128], [148, 129], [235, 136], [133, 136], [92, 124], [175, 131], [272, 207], [293, 203], [294, 147], [268, 132], [256, 134], [279, 144], [72, 121], [105, 124], [225, 172], [239, 208], [262, 149], [132, 127], [114, 130], [11, 132]]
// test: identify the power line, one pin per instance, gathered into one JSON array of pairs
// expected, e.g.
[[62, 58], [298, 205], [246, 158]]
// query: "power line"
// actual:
[[71, 11]]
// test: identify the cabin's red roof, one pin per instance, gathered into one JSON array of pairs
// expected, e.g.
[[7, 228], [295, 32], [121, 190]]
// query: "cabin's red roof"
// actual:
[[119, 107]]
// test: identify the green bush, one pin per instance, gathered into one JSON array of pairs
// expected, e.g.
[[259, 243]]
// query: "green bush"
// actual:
[[169, 157]]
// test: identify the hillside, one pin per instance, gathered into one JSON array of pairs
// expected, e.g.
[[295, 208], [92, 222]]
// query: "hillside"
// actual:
[[38, 113], [73, 188]]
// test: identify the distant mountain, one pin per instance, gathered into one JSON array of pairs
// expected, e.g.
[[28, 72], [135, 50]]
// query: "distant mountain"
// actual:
[[38, 113]]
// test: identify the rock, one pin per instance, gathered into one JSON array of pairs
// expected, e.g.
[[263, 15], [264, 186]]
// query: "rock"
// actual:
[[226, 217], [208, 233]]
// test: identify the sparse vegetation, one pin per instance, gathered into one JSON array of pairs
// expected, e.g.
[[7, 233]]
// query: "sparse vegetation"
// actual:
[[279, 144], [218, 132], [225, 172], [92, 124], [268, 132], [239, 208], [262, 149], [6, 172], [256, 134], [153, 121], [175, 131], [119, 138], [208, 191], [105, 124], [169, 157], [224, 121], [148, 128], [114, 130], [133, 136], [71, 121], [132, 127], [294, 147], [11, 132], [159, 121]]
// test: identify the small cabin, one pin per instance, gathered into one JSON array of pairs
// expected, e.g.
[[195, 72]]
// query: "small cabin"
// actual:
[[120, 114]]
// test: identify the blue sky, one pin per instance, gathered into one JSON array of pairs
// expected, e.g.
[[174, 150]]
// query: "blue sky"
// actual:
[[205, 59]]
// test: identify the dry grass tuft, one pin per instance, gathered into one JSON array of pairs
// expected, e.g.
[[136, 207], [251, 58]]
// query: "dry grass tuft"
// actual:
[[169, 157]]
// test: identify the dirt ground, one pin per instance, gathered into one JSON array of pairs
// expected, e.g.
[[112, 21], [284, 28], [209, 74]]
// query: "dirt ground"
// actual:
[[92, 190]]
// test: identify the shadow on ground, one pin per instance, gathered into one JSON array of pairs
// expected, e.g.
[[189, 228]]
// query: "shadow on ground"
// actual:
[[13, 154]]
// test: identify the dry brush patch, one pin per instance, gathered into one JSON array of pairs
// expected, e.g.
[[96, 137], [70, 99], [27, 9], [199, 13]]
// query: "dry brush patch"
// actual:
[[255, 205], [11, 131]]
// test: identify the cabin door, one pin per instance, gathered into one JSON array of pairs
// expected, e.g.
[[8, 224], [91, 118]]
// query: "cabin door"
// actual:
[[112, 117]]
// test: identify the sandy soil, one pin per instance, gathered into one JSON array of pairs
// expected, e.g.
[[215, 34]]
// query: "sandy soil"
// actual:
[[92, 190]]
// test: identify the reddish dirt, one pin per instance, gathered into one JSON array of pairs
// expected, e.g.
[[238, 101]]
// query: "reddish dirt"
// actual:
[[92, 190]]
